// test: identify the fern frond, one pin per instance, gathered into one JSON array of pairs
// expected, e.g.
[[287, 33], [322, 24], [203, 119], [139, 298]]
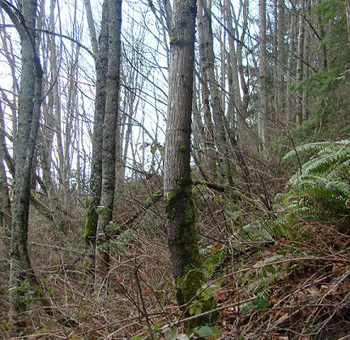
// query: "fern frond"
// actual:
[[315, 147], [323, 184], [326, 162]]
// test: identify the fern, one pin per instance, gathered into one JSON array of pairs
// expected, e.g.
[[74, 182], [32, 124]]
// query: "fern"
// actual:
[[323, 182], [318, 146]]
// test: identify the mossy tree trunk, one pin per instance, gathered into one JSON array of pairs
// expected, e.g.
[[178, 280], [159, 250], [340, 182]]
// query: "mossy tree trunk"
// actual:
[[182, 234], [101, 65], [21, 272], [109, 133]]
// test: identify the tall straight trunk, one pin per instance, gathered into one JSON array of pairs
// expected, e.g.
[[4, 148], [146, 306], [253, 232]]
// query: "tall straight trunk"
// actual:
[[280, 88], [207, 131], [300, 64], [181, 228], [235, 103], [290, 65], [348, 18], [91, 25], [208, 128], [46, 135], [305, 93], [263, 76], [207, 57], [55, 84], [24, 145], [110, 131], [90, 229], [5, 204]]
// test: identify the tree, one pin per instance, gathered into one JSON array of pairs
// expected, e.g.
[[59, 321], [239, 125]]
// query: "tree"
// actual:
[[110, 130], [207, 57], [5, 205], [24, 145], [181, 228], [262, 114], [101, 64]]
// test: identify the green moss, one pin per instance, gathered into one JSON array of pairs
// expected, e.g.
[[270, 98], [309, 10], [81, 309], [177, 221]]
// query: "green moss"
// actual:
[[181, 210], [174, 40], [183, 148], [90, 226], [190, 282]]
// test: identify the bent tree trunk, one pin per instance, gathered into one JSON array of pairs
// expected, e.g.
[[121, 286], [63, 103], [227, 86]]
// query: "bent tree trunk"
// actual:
[[182, 234], [21, 272]]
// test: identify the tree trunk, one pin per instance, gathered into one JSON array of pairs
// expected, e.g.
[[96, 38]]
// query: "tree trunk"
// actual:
[[24, 145], [300, 64], [348, 19], [290, 65], [235, 102], [206, 47], [182, 233], [90, 229], [110, 131], [91, 25], [262, 115], [5, 204], [280, 88]]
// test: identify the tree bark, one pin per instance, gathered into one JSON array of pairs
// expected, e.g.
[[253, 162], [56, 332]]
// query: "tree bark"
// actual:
[[280, 61], [5, 204], [291, 66], [182, 233], [24, 145], [348, 19], [207, 57], [101, 65], [300, 63], [109, 132], [262, 115]]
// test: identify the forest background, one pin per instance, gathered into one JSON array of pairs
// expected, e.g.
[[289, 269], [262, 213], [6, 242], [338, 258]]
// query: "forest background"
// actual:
[[175, 169]]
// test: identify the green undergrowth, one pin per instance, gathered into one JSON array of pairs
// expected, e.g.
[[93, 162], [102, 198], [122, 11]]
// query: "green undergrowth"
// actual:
[[272, 264]]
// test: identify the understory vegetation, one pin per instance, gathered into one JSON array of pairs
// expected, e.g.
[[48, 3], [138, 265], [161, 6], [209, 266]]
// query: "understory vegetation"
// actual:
[[187, 176], [272, 271]]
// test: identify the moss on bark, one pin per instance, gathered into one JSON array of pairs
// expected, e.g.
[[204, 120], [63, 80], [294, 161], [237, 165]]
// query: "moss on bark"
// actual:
[[183, 242]]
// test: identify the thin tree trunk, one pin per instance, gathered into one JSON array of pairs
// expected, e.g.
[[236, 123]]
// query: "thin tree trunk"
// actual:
[[300, 63], [110, 131], [280, 88], [305, 93], [5, 204], [207, 57], [290, 66], [237, 107], [262, 115], [348, 18], [91, 26], [24, 146], [90, 229]]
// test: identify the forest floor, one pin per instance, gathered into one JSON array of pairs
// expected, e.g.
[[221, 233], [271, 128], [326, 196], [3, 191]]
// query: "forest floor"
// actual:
[[286, 278]]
